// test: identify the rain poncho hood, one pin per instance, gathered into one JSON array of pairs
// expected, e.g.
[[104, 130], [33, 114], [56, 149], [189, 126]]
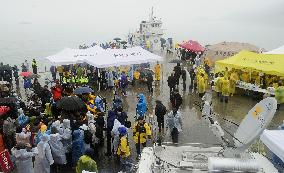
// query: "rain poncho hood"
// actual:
[[66, 123], [122, 130], [141, 105]]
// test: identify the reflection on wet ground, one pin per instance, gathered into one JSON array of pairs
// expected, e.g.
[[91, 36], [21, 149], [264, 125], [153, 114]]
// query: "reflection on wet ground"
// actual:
[[194, 130]]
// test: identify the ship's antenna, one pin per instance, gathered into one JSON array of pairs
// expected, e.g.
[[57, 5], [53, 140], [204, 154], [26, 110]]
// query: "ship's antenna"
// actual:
[[152, 12]]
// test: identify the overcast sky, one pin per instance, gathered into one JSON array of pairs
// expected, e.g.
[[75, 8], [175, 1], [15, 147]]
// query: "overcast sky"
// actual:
[[260, 22]]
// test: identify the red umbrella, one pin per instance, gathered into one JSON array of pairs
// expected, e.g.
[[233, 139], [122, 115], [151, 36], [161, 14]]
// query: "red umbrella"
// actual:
[[193, 46], [25, 74], [4, 110]]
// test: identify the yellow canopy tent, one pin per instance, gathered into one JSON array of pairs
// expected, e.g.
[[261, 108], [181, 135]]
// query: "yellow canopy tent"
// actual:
[[269, 64]]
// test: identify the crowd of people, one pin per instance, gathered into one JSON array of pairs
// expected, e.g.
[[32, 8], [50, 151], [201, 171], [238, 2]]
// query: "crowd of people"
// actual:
[[43, 127], [69, 124]]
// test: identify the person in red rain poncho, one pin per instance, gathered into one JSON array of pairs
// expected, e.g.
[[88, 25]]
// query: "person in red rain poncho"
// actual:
[[56, 91]]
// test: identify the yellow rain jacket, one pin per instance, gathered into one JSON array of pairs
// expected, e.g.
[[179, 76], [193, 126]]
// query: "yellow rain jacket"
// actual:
[[218, 84], [245, 77], [47, 110], [144, 132], [257, 80], [201, 85], [136, 75], [225, 87], [158, 72], [92, 108], [123, 147], [233, 82]]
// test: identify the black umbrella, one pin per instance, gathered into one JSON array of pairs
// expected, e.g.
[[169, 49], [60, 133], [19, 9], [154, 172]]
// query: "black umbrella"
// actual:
[[117, 39], [83, 90], [123, 42], [147, 71], [163, 41], [176, 61], [70, 103]]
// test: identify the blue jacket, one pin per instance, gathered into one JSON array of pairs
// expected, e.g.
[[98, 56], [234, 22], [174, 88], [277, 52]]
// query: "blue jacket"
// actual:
[[110, 120], [27, 83], [123, 81], [78, 147], [141, 107], [99, 103]]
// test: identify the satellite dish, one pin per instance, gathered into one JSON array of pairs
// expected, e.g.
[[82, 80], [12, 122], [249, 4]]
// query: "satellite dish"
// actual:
[[255, 122]]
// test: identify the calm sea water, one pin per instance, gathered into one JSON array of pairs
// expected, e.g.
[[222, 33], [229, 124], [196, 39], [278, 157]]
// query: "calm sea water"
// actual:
[[32, 41]]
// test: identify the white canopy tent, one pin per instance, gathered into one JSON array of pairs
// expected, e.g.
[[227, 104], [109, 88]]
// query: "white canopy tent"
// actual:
[[279, 50], [101, 58], [73, 56], [118, 57]]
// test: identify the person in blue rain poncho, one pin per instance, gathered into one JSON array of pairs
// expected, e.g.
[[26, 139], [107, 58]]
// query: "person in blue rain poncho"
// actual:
[[141, 106], [22, 119], [99, 103], [44, 158], [78, 147]]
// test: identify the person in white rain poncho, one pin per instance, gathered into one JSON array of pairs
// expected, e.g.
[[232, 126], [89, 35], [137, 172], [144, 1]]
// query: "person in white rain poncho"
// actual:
[[90, 117], [23, 158], [174, 124], [186, 79], [115, 134], [56, 146], [110, 81], [66, 135], [43, 159]]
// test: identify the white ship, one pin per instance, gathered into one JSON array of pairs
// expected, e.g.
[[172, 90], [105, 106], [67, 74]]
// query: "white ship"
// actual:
[[198, 158], [149, 34]]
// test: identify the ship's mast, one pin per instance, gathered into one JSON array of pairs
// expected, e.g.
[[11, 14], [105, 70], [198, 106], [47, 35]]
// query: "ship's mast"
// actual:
[[152, 14]]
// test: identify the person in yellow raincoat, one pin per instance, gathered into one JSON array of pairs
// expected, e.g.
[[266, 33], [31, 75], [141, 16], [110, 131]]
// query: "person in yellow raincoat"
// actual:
[[136, 76], [201, 86], [141, 132], [158, 71], [86, 162], [245, 76], [226, 72], [225, 89], [257, 80], [233, 81], [218, 84], [123, 150]]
